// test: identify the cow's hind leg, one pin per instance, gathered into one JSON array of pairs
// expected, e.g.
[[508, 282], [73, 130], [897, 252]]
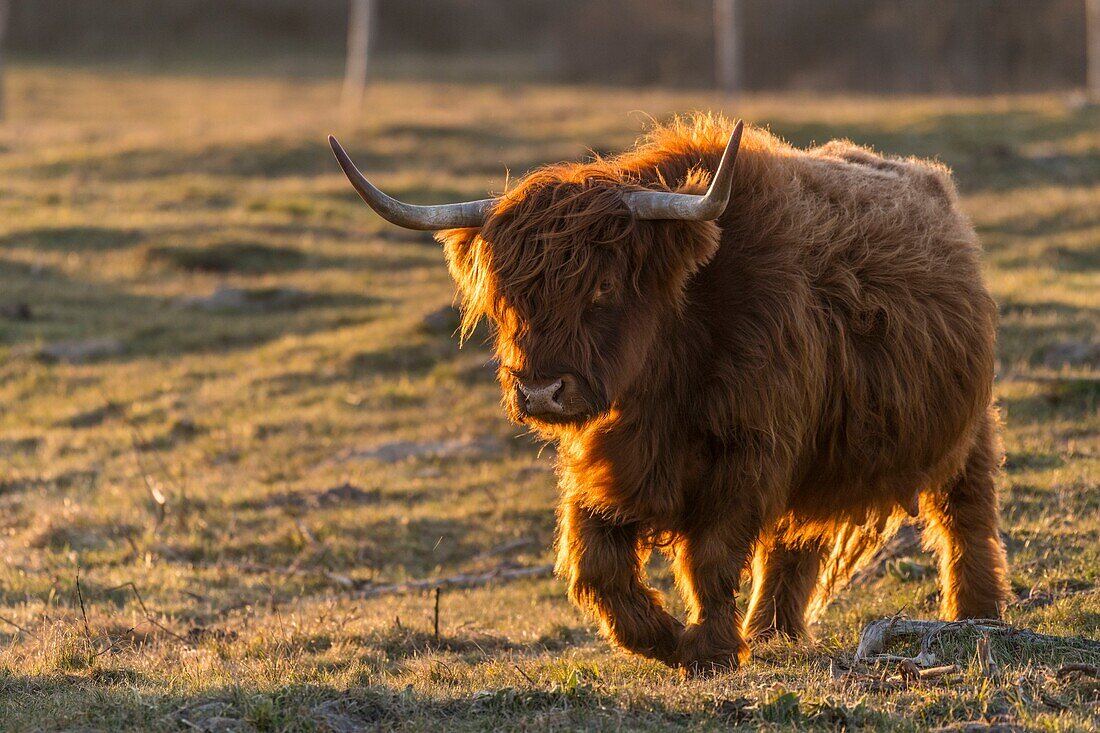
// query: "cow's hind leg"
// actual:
[[962, 528], [784, 579], [602, 562]]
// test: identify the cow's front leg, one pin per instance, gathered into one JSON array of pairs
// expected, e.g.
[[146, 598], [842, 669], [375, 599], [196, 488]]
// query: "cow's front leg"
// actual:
[[602, 562], [709, 562]]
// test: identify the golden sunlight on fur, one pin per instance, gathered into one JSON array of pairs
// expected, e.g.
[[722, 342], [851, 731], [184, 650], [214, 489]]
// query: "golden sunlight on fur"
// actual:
[[770, 391]]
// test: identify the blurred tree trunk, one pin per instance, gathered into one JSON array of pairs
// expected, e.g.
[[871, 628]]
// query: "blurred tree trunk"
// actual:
[[4, 8], [360, 27], [727, 45], [1092, 47]]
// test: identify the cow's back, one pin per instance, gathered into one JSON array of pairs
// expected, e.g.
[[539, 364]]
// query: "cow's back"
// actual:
[[848, 321]]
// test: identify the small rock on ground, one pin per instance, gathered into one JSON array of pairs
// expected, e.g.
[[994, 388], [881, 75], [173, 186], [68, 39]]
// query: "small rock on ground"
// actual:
[[402, 450], [80, 351], [1072, 353], [247, 299]]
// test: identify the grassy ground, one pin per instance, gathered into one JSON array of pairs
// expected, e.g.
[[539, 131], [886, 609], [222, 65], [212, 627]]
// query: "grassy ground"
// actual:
[[231, 402]]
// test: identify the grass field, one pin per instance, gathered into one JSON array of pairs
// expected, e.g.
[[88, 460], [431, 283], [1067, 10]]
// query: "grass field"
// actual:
[[231, 407]]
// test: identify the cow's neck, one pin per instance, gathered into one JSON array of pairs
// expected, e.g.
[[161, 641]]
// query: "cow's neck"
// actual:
[[624, 459]]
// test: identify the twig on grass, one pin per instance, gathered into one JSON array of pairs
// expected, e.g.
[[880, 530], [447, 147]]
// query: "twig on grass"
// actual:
[[144, 609], [497, 575], [97, 652], [160, 501], [28, 632], [987, 665], [83, 612], [525, 675], [139, 447], [936, 672], [435, 624]]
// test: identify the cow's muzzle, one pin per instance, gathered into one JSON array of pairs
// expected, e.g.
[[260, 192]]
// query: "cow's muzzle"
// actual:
[[551, 400], [541, 399]]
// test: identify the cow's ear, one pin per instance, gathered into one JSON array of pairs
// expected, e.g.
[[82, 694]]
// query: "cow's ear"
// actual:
[[676, 251], [698, 243], [696, 240], [467, 262], [459, 246]]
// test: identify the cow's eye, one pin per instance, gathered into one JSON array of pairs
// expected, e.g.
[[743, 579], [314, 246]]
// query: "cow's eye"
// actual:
[[602, 291]]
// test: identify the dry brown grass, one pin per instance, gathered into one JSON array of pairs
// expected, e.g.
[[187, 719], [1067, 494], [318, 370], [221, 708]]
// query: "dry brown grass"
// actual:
[[315, 429]]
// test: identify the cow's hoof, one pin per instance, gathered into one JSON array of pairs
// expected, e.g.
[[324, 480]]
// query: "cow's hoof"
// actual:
[[706, 651], [655, 635], [703, 669]]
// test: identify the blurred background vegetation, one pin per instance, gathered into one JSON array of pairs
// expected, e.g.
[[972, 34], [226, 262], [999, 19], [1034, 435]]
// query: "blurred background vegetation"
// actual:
[[235, 421], [941, 46]]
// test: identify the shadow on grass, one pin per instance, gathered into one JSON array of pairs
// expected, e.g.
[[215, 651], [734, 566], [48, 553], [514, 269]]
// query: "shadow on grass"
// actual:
[[64, 310], [275, 158], [391, 149], [257, 248], [1064, 221], [1029, 331], [1066, 398], [72, 239], [107, 699]]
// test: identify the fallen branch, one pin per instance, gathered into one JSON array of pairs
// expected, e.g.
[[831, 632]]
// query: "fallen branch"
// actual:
[[1066, 670], [877, 636], [497, 575], [936, 672]]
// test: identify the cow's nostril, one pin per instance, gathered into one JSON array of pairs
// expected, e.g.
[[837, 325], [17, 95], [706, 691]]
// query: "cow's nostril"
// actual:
[[556, 397], [541, 399]]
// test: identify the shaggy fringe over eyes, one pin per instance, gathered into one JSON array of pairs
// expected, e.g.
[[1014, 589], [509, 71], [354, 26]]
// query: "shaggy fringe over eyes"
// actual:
[[564, 227], [558, 230], [545, 226]]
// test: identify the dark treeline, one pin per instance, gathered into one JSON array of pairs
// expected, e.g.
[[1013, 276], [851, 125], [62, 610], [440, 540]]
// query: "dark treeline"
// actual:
[[961, 46]]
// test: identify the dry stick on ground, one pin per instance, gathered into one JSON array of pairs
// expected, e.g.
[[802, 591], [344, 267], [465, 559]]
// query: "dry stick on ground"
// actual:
[[28, 632], [935, 672], [87, 627], [1065, 671], [878, 635], [910, 672], [137, 446], [498, 575], [83, 612], [435, 626], [148, 616], [987, 665], [158, 497], [525, 675]]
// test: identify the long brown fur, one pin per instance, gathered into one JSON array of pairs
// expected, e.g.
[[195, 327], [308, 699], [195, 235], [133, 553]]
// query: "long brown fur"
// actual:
[[773, 389]]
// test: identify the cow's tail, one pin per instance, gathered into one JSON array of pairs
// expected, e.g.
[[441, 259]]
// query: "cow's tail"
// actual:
[[854, 546]]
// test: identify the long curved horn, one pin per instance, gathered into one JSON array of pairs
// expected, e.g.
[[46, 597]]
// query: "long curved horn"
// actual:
[[686, 206], [410, 216]]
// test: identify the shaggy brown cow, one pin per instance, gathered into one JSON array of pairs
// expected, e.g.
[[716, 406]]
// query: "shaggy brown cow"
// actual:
[[772, 383]]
